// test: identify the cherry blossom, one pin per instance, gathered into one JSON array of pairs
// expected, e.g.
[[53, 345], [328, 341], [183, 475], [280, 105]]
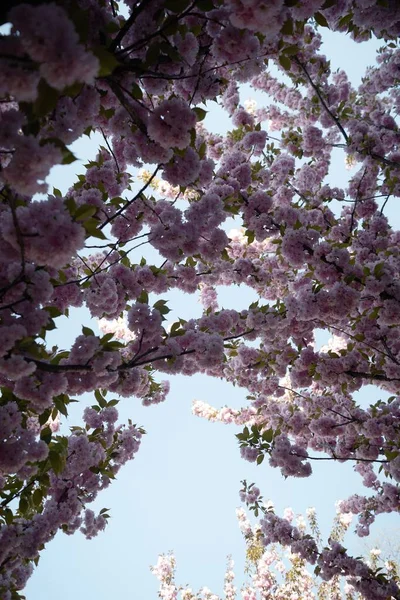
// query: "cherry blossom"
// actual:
[[150, 214]]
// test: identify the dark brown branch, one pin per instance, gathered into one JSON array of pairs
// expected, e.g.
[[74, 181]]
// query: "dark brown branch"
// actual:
[[322, 100], [346, 458], [129, 202], [110, 149], [127, 25], [371, 376], [139, 360], [145, 41], [7, 501]]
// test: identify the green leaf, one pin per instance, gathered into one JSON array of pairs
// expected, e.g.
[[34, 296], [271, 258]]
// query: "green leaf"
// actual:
[[106, 338], [107, 61], [250, 236], [285, 62], [153, 53], [60, 406], [85, 211], [47, 99], [161, 306], [200, 113], [321, 20], [176, 6], [346, 20], [44, 417], [70, 204], [23, 505], [68, 157], [391, 455], [136, 91], [291, 50], [113, 402], [176, 330], [91, 226], [46, 434], [57, 463], [170, 51], [379, 269], [260, 458], [287, 27], [205, 5], [107, 113], [268, 435], [202, 150], [37, 497], [87, 331], [8, 516], [99, 397], [143, 298]]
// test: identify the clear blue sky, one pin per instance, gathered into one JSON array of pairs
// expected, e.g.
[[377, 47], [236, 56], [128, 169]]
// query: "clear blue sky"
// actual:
[[181, 491]]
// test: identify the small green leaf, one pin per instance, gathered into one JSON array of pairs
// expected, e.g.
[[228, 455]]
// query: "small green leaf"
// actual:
[[200, 113], [153, 53], [205, 5], [106, 338], [287, 27], [68, 157], [176, 6], [250, 236], [87, 331], [100, 399], [143, 298], [161, 306], [8, 516], [136, 91], [23, 505], [91, 226], [113, 402], [202, 150], [46, 434], [268, 435], [84, 212], [44, 417], [291, 50], [285, 62], [107, 61], [346, 20], [57, 464], [37, 497], [321, 20], [46, 100]]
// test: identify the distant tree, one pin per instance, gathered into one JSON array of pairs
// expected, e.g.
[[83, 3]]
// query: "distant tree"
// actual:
[[272, 573]]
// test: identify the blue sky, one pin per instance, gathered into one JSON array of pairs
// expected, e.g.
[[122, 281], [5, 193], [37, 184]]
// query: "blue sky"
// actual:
[[181, 491]]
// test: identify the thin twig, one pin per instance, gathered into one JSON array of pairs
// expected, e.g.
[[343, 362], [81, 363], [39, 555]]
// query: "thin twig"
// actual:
[[322, 100], [129, 202]]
